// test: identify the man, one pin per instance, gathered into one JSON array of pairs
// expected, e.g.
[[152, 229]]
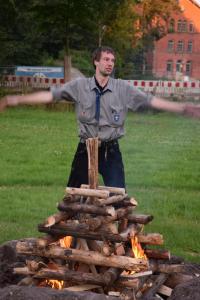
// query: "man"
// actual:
[[101, 104]]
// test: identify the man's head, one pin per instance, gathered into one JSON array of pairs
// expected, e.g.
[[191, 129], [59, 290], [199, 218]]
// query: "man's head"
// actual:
[[103, 59]]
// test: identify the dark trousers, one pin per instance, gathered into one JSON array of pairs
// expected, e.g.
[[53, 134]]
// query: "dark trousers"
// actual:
[[110, 165]]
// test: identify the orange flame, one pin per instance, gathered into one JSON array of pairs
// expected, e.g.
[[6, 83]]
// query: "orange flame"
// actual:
[[66, 241], [58, 284], [137, 249], [55, 284]]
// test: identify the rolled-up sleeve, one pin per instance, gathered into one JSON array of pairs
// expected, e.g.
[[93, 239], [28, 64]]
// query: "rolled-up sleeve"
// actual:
[[138, 99]]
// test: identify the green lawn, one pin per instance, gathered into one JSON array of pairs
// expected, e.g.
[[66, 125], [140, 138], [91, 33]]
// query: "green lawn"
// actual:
[[161, 155]]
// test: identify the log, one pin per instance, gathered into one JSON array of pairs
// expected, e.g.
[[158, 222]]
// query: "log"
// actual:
[[157, 254], [88, 257], [177, 278], [56, 218], [88, 192], [165, 290], [92, 145], [112, 190], [109, 278], [82, 231], [150, 293], [152, 253], [68, 275], [141, 219], [82, 287], [110, 200], [96, 222], [128, 201], [43, 242], [111, 275], [166, 268], [151, 239], [85, 208]]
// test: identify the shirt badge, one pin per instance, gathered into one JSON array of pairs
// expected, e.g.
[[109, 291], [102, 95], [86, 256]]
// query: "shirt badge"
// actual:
[[116, 117]]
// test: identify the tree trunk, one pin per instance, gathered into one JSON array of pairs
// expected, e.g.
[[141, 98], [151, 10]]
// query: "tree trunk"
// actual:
[[67, 68]]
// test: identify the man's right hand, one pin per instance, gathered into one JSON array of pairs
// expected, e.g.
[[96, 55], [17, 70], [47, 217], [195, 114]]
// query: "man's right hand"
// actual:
[[3, 104], [8, 101]]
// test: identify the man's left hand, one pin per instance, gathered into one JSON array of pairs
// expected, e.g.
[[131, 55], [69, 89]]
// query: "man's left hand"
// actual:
[[192, 110]]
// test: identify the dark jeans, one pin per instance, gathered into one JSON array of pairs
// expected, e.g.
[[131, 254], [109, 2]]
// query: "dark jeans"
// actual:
[[110, 165]]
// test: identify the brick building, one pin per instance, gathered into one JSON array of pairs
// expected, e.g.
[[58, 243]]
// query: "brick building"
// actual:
[[177, 54]]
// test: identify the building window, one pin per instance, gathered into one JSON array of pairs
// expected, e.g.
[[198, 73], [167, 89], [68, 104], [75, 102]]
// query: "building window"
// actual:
[[171, 26], [191, 27], [179, 26], [180, 46], [170, 46], [188, 68], [184, 26], [190, 46], [169, 66], [179, 66]]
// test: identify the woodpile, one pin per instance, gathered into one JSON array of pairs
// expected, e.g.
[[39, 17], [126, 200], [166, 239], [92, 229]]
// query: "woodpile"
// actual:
[[96, 241]]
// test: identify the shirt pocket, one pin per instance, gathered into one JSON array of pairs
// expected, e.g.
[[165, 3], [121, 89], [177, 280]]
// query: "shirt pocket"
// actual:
[[86, 112], [117, 115]]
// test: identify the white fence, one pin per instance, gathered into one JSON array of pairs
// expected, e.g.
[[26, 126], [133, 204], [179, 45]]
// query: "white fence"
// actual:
[[181, 89]]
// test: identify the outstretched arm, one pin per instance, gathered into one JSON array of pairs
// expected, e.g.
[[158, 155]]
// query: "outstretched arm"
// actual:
[[42, 97], [187, 109]]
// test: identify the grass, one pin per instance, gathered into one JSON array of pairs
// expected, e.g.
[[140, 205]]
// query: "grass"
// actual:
[[161, 155]]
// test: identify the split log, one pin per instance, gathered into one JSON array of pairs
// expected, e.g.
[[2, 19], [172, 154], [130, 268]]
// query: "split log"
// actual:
[[85, 208], [156, 285], [88, 257], [23, 271], [82, 287], [112, 190], [141, 219], [136, 275], [165, 290], [92, 145], [88, 192], [43, 242], [56, 218]]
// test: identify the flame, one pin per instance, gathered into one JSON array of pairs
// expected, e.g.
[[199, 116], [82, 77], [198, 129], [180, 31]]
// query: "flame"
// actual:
[[59, 284], [66, 241], [137, 249], [55, 284]]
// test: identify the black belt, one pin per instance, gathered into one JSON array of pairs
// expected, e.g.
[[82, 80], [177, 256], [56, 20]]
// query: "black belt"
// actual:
[[105, 143], [108, 143]]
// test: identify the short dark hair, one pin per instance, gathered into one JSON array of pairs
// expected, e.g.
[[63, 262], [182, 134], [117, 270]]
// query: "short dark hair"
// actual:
[[96, 55]]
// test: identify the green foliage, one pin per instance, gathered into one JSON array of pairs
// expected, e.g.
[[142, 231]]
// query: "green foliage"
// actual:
[[161, 155], [82, 61]]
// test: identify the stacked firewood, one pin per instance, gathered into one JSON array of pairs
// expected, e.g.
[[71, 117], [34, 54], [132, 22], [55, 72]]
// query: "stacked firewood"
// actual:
[[96, 242]]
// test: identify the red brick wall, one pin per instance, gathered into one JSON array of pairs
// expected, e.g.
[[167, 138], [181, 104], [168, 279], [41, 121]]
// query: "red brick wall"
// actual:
[[190, 13]]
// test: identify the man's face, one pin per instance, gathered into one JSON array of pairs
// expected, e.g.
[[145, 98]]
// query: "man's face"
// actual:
[[106, 64]]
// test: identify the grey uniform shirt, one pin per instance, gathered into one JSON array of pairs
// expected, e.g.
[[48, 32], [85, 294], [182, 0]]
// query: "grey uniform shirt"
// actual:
[[118, 97]]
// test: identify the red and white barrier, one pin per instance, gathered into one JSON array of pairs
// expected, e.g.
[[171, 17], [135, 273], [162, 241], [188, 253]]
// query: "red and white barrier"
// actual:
[[158, 87]]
